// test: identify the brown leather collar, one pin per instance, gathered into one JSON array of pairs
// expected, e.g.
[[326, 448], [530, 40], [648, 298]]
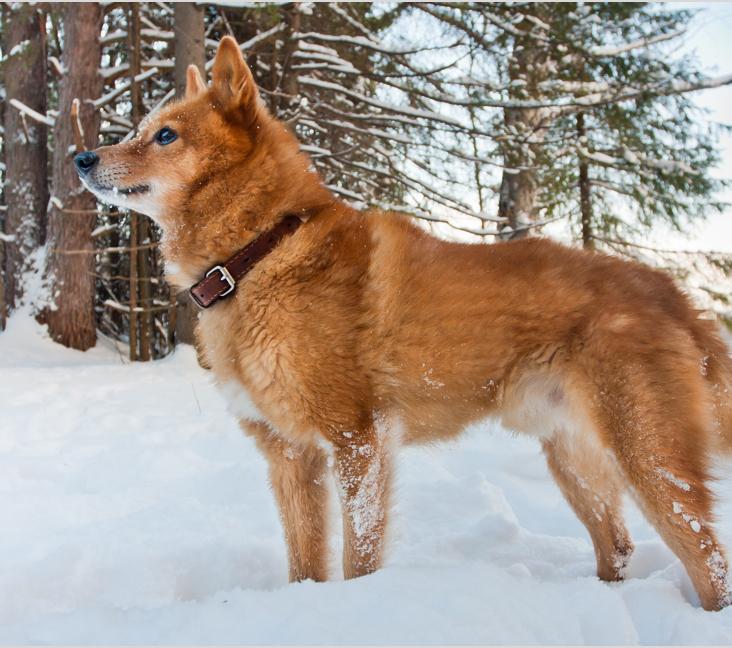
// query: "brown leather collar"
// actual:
[[220, 280]]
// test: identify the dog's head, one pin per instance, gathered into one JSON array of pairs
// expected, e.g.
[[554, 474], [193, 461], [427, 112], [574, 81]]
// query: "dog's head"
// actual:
[[217, 144]]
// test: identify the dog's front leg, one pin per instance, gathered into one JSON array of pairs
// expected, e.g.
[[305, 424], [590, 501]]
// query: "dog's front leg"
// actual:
[[299, 481], [363, 472]]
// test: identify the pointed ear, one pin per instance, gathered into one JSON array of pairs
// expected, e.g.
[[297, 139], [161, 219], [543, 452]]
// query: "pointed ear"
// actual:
[[232, 79], [195, 84]]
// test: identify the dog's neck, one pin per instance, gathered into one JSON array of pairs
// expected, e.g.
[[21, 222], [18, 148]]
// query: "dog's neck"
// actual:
[[211, 238]]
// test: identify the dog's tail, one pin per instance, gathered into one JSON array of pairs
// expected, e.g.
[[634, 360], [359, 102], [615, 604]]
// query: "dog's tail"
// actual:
[[716, 367]]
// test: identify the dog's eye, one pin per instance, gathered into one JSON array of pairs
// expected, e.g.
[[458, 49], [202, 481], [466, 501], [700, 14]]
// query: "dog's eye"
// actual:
[[165, 136]]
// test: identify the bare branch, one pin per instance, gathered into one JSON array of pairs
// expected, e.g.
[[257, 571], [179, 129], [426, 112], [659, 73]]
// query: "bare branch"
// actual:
[[36, 116]]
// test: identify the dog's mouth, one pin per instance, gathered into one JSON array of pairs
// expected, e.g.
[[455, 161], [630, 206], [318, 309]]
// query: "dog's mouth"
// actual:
[[110, 190], [140, 196], [125, 191]]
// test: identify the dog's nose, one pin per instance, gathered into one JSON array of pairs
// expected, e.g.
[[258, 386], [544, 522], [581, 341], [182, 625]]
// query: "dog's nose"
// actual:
[[85, 162]]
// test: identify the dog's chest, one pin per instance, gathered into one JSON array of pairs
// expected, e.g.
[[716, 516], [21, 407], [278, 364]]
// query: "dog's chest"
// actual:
[[239, 401], [255, 374]]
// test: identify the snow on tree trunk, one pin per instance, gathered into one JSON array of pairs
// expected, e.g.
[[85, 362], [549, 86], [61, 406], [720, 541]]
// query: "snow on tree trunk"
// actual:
[[68, 310], [26, 191]]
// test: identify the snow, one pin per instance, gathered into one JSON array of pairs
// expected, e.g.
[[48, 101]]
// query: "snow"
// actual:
[[673, 479], [134, 511], [157, 34], [119, 34], [114, 93], [17, 49]]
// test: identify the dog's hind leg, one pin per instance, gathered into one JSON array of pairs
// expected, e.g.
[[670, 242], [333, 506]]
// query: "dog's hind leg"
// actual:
[[591, 484], [656, 418], [299, 481], [363, 474]]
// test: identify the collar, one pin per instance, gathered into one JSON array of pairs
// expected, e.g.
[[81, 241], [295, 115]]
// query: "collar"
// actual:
[[221, 280]]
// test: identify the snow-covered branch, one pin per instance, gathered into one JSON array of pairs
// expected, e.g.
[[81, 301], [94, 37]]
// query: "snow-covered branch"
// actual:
[[361, 41], [662, 89], [614, 50], [404, 110], [121, 89]]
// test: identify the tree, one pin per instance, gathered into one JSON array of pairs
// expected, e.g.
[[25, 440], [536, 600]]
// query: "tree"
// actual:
[[69, 306], [540, 65], [528, 65], [190, 34], [596, 123], [26, 174], [189, 50], [634, 151]]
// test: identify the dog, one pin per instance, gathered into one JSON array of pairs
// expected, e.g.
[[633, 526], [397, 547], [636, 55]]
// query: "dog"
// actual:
[[354, 332]]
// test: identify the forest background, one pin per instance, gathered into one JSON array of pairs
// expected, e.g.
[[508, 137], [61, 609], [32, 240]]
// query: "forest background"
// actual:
[[602, 124]]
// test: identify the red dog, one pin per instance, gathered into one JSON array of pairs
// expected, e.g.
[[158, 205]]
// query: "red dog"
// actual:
[[352, 332]]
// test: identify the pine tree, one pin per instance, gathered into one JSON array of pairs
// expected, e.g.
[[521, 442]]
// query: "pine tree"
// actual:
[[69, 309], [640, 153], [26, 173], [624, 148], [190, 49]]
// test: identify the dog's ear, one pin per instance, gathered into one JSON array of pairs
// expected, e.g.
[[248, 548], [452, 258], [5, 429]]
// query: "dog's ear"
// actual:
[[233, 82], [195, 85]]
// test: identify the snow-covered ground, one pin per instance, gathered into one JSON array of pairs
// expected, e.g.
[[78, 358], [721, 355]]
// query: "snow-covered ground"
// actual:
[[133, 510]]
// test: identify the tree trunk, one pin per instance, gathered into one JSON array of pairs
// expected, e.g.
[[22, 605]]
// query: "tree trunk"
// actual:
[[2, 287], [517, 199], [519, 188], [69, 310], [526, 129], [293, 19], [134, 222], [189, 42], [476, 171], [140, 293], [584, 187], [189, 50], [26, 174]]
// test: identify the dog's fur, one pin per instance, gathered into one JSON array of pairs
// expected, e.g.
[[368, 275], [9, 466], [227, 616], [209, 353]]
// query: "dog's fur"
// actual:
[[361, 331]]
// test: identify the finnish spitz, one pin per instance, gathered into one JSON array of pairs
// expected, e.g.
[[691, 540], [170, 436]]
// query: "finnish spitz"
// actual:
[[346, 333]]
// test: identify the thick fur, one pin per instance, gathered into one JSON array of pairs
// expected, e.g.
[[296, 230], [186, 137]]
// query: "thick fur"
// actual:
[[361, 331]]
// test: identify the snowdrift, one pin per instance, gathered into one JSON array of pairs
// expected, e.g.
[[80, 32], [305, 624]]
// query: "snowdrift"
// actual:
[[134, 511]]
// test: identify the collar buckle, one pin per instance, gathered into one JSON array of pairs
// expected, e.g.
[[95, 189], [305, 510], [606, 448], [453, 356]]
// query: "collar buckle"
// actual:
[[225, 277], [210, 289]]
